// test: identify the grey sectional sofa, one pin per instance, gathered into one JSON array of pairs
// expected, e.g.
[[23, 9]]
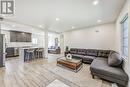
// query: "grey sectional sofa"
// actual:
[[99, 64]]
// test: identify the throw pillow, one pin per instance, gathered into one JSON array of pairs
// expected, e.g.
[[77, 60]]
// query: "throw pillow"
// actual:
[[114, 59]]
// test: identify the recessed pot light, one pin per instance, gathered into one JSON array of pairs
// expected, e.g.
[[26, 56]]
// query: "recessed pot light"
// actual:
[[40, 26], [99, 21], [95, 2], [73, 27], [57, 19]]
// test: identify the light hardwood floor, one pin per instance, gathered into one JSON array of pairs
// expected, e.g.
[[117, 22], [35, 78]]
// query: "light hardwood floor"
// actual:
[[17, 74]]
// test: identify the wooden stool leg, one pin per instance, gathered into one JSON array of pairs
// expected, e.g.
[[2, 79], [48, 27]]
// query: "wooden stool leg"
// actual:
[[93, 76]]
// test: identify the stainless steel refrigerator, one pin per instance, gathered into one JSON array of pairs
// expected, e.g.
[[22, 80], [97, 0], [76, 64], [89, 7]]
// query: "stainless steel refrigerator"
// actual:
[[2, 50]]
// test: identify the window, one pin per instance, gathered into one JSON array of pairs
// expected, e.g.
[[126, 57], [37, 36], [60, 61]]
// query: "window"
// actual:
[[34, 41], [124, 25]]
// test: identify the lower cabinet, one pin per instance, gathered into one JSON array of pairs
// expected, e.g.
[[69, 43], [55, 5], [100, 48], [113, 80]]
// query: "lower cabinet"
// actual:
[[11, 52]]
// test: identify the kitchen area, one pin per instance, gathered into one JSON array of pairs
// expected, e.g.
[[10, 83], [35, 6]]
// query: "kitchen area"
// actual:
[[23, 44], [16, 36]]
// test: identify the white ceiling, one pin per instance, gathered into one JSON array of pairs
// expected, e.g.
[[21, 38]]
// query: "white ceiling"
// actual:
[[77, 13]]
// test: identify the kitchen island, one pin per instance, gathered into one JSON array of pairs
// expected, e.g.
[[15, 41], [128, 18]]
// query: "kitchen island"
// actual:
[[30, 53]]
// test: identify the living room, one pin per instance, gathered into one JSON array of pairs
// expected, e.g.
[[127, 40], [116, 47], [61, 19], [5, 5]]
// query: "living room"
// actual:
[[82, 43]]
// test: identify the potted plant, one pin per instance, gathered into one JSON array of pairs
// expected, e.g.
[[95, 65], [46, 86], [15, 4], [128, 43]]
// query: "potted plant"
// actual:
[[67, 49]]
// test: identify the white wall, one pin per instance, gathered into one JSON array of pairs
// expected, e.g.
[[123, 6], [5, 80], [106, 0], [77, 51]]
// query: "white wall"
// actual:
[[89, 38]]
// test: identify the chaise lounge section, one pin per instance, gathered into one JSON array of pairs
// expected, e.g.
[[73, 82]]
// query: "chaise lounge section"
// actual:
[[100, 66]]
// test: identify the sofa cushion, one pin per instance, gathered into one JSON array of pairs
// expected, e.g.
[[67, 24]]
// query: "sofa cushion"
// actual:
[[77, 56], [114, 59], [73, 50], [103, 53], [88, 58], [100, 66], [91, 52], [81, 51]]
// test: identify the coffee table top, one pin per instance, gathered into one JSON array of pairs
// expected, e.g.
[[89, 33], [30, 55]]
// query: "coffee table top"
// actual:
[[70, 60]]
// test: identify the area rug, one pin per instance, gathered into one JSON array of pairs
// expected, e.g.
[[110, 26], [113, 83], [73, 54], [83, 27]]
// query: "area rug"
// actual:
[[82, 78], [57, 83]]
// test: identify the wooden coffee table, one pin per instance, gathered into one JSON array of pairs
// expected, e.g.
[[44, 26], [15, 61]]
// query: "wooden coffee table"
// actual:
[[74, 64]]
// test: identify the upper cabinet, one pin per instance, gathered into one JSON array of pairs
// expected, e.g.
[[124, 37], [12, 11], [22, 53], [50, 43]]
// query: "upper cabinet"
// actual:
[[13, 37], [16, 36], [28, 37]]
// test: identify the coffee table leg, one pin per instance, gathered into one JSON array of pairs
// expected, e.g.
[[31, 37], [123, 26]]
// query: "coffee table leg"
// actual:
[[77, 69]]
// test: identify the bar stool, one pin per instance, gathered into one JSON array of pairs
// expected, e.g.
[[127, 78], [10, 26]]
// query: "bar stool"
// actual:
[[36, 52], [30, 54], [40, 52]]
